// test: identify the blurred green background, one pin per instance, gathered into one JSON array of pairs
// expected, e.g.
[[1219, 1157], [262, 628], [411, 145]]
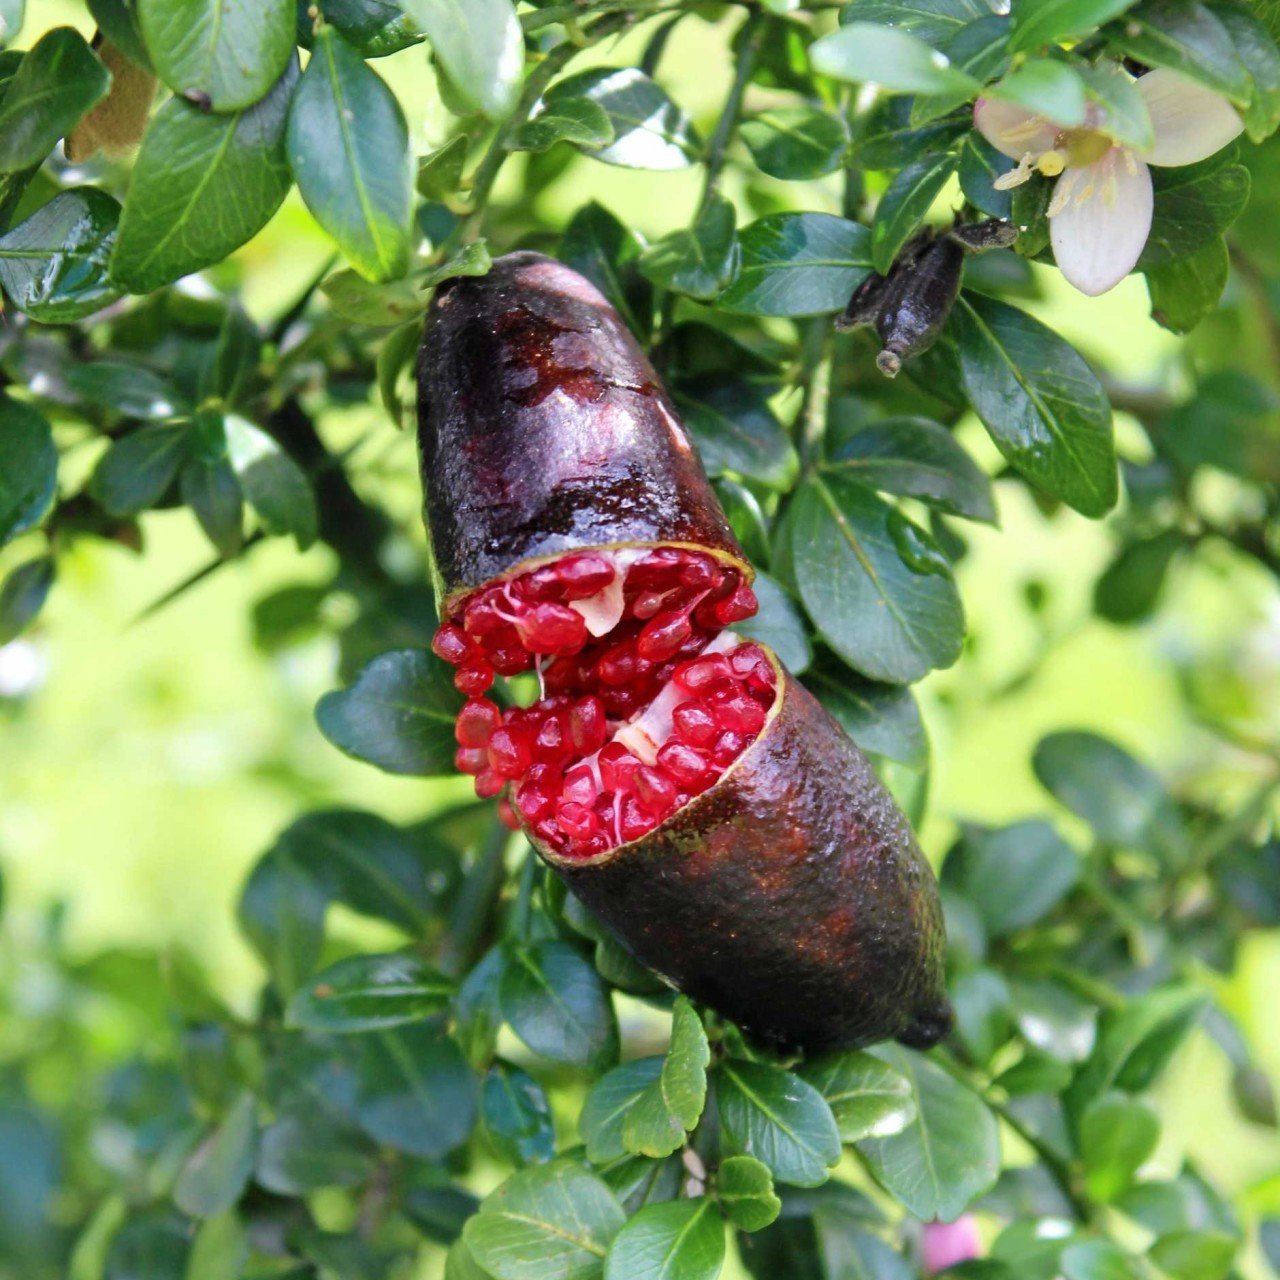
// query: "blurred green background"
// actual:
[[144, 764]]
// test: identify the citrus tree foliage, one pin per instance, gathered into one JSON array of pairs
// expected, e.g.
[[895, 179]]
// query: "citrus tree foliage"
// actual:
[[478, 1087]]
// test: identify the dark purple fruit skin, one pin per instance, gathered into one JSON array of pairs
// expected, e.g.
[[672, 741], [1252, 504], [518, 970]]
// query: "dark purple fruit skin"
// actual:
[[543, 428], [791, 897]]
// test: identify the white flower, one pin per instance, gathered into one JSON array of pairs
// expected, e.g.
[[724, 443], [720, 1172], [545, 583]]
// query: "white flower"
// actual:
[[1100, 214]]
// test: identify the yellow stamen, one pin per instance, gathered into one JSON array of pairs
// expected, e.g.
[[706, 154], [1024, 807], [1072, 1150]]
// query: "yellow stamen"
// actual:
[[1051, 163]]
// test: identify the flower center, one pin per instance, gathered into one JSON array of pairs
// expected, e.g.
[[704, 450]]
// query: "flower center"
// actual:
[[1082, 147]]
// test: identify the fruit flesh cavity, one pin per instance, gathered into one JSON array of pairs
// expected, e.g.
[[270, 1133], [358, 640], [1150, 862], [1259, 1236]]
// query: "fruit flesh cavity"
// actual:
[[645, 698]]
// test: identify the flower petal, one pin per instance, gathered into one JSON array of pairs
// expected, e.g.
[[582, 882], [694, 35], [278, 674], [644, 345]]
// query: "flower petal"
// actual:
[[1190, 121], [1103, 222], [1013, 130]]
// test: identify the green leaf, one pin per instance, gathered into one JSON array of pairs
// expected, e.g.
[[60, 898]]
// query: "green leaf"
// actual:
[[1097, 1260], [357, 181], [868, 1098], [1046, 88], [28, 467], [1194, 206], [118, 21], [220, 1250], [649, 130], [10, 24], [980, 49], [471, 260], [414, 1091], [736, 430], [1041, 22], [555, 1002], [880, 718], [1124, 802], [796, 144], [553, 1221], [1040, 402], [934, 21], [516, 1116], [798, 264], [1117, 1136], [904, 204], [1014, 875], [138, 469], [57, 81], [202, 185], [374, 28], [218, 1171], [1187, 290], [890, 57], [223, 55], [669, 1107], [131, 390], [1054, 1020], [1127, 118], [684, 1238], [281, 913], [212, 491], [480, 47], [608, 1104], [23, 594], [775, 1116], [1187, 37], [1195, 1255], [369, 993], [274, 485], [600, 247], [440, 173], [53, 266], [937, 1166], [981, 1001], [744, 1188], [1257, 50], [875, 584], [359, 300], [578, 120], [889, 138], [700, 260], [917, 458], [779, 625], [1130, 587]]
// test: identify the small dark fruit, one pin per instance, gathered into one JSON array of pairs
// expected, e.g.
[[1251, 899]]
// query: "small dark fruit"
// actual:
[[685, 786]]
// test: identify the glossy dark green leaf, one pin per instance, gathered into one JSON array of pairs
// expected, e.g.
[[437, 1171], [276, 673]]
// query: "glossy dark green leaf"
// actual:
[[939, 1164], [736, 430], [1111, 89], [980, 165], [649, 130], [1014, 875], [212, 491], [304, 1150], [274, 485], [889, 138], [370, 993], [214, 1177], [516, 1116], [1041, 403], [778, 1118], [1185, 291], [890, 57], [202, 185], [979, 49], [638, 1181], [917, 458], [471, 260], [1194, 206], [480, 47], [28, 467], [796, 143], [1188, 37], [1117, 1136], [799, 264], [683, 1238], [1256, 48], [440, 173], [555, 1002], [578, 120], [358, 182], [22, 596], [374, 28], [555, 1220], [608, 1103], [1054, 1020], [600, 247], [1129, 589], [53, 266], [700, 260], [779, 625], [875, 584], [934, 21], [880, 718], [57, 81], [1045, 87], [223, 55], [981, 1002], [904, 204], [1039, 22], [118, 21], [129, 389], [397, 715], [414, 1091], [868, 1098], [1123, 800], [744, 1190], [137, 470], [281, 913], [670, 1106]]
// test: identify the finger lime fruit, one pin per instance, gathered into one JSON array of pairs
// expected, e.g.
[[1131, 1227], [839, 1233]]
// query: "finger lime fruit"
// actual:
[[696, 797]]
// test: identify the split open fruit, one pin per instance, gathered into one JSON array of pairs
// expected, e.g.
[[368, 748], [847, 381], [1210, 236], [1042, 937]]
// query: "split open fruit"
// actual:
[[686, 787]]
